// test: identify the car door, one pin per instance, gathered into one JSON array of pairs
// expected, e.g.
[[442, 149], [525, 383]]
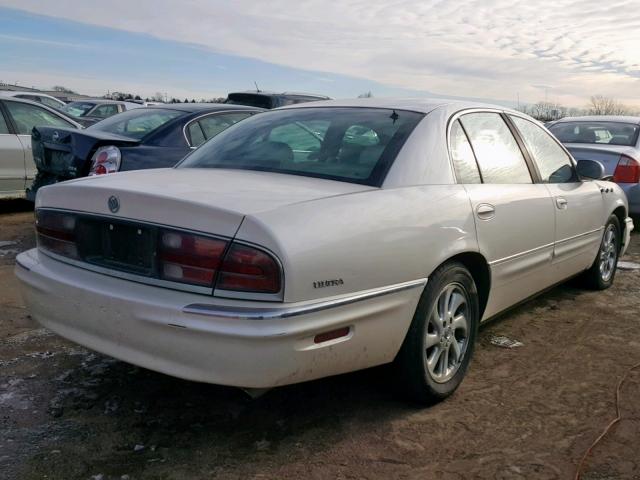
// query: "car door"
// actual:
[[12, 168], [578, 205], [514, 216], [24, 117]]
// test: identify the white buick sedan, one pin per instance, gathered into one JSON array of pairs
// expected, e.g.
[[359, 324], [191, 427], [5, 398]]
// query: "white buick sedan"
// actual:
[[324, 238]]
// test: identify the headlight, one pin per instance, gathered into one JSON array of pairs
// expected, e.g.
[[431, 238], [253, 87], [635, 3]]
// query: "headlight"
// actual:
[[105, 160]]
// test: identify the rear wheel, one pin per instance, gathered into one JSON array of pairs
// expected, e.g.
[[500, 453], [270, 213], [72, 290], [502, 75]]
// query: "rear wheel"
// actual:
[[438, 347], [601, 274]]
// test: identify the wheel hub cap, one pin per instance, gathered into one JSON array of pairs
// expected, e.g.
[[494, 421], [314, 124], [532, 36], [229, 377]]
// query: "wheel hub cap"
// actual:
[[447, 333]]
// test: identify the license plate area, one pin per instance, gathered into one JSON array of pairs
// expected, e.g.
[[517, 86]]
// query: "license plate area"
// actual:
[[117, 245]]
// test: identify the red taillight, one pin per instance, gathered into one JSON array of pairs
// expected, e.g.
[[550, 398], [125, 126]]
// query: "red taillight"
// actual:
[[627, 171], [248, 269], [56, 232], [188, 258]]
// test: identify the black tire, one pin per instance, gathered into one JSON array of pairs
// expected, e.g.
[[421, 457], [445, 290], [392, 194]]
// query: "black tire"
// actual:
[[595, 278], [411, 364]]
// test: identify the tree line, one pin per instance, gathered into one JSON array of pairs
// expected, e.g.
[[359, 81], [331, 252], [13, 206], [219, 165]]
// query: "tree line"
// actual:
[[546, 111]]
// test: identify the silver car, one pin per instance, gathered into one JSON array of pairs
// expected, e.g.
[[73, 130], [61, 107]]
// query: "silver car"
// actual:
[[17, 119], [612, 140]]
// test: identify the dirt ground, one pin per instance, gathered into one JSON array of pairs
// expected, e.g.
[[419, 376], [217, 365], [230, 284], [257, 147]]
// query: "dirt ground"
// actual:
[[523, 413]]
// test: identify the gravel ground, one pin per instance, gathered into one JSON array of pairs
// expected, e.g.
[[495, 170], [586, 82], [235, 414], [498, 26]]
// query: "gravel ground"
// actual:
[[528, 412]]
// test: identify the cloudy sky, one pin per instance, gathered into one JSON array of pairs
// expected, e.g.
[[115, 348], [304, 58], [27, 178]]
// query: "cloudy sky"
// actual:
[[563, 50]]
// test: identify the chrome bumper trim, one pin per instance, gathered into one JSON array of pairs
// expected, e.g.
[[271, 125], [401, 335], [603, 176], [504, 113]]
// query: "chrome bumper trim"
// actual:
[[261, 313]]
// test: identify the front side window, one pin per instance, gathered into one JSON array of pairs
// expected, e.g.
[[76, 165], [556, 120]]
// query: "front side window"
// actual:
[[606, 133], [137, 123], [4, 129], [26, 116], [464, 161], [499, 156], [355, 145], [554, 164]]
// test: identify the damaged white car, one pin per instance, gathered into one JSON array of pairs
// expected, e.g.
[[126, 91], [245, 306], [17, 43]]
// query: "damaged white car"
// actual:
[[324, 238]]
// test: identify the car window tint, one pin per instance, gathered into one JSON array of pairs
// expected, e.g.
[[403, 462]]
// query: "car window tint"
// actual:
[[137, 123], [196, 135], [3, 124], [553, 162], [104, 111], [26, 116], [304, 138], [609, 133], [499, 156], [214, 124], [77, 109], [464, 161], [49, 102], [360, 135], [312, 142]]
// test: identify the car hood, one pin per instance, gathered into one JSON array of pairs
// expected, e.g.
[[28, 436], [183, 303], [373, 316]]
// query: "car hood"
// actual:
[[209, 200]]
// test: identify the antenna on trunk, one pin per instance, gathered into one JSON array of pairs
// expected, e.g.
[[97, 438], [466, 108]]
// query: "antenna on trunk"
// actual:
[[257, 88]]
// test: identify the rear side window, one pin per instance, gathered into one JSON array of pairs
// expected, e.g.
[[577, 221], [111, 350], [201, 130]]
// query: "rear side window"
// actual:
[[49, 102], [464, 161], [3, 124], [553, 162], [104, 111], [499, 156], [26, 116], [137, 123]]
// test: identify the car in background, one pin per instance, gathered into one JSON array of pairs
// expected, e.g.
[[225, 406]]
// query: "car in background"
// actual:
[[269, 100], [319, 239], [151, 137], [18, 117], [42, 98], [612, 140], [88, 112]]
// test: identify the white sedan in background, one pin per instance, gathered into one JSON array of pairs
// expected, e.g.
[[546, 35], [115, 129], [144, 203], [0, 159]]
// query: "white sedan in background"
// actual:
[[321, 239]]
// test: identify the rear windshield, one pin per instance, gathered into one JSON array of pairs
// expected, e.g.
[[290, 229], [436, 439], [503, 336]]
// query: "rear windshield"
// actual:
[[608, 133], [137, 123], [356, 145], [251, 100], [78, 109]]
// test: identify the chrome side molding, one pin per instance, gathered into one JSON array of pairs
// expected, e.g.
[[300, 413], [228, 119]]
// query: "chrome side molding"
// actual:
[[262, 313]]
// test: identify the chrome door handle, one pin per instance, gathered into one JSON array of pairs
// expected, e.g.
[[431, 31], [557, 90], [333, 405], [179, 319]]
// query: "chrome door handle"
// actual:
[[485, 211], [561, 203]]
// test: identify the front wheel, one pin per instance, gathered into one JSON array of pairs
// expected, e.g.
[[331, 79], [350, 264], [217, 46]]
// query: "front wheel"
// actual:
[[600, 275], [438, 347]]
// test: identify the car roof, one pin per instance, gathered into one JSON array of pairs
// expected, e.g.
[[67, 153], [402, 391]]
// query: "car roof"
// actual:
[[601, 118], [197, 107], [421, 105], [97, 101], [275, 94]]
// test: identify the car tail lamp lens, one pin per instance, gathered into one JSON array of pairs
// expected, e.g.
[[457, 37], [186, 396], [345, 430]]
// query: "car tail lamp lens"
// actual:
[[248, 269], [189, 258], [56, 232], [105, 160], [627, 171]]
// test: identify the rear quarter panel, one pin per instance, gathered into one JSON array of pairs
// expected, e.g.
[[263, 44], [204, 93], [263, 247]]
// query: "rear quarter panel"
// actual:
[[367, 240]]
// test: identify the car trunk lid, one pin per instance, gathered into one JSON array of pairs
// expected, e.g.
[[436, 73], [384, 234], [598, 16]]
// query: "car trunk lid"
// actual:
[[608, 155], [206, 200]]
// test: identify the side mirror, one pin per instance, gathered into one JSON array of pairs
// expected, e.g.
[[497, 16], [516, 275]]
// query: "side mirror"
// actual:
[[590, 169]]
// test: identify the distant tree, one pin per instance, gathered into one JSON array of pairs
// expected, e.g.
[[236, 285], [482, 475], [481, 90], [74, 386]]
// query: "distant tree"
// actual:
[[158, 97], [601, 105], [186, 100], [545, 111], [60, 88], [366, 95], [193, 100], [138, 97]]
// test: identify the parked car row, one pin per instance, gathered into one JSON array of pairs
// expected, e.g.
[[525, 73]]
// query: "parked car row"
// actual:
[[311, 240]]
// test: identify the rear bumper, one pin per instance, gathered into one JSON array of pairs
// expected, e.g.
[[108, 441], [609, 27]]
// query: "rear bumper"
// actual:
[[227, 342], [632, 191]]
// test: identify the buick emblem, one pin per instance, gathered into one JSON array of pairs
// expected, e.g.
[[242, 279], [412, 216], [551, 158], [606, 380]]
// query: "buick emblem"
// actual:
[[114, 204], [55, 136]]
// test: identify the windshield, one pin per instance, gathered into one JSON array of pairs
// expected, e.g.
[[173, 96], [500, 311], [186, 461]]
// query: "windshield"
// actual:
[[77, 109], [607, 133], [137, 123], [355, 145]]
